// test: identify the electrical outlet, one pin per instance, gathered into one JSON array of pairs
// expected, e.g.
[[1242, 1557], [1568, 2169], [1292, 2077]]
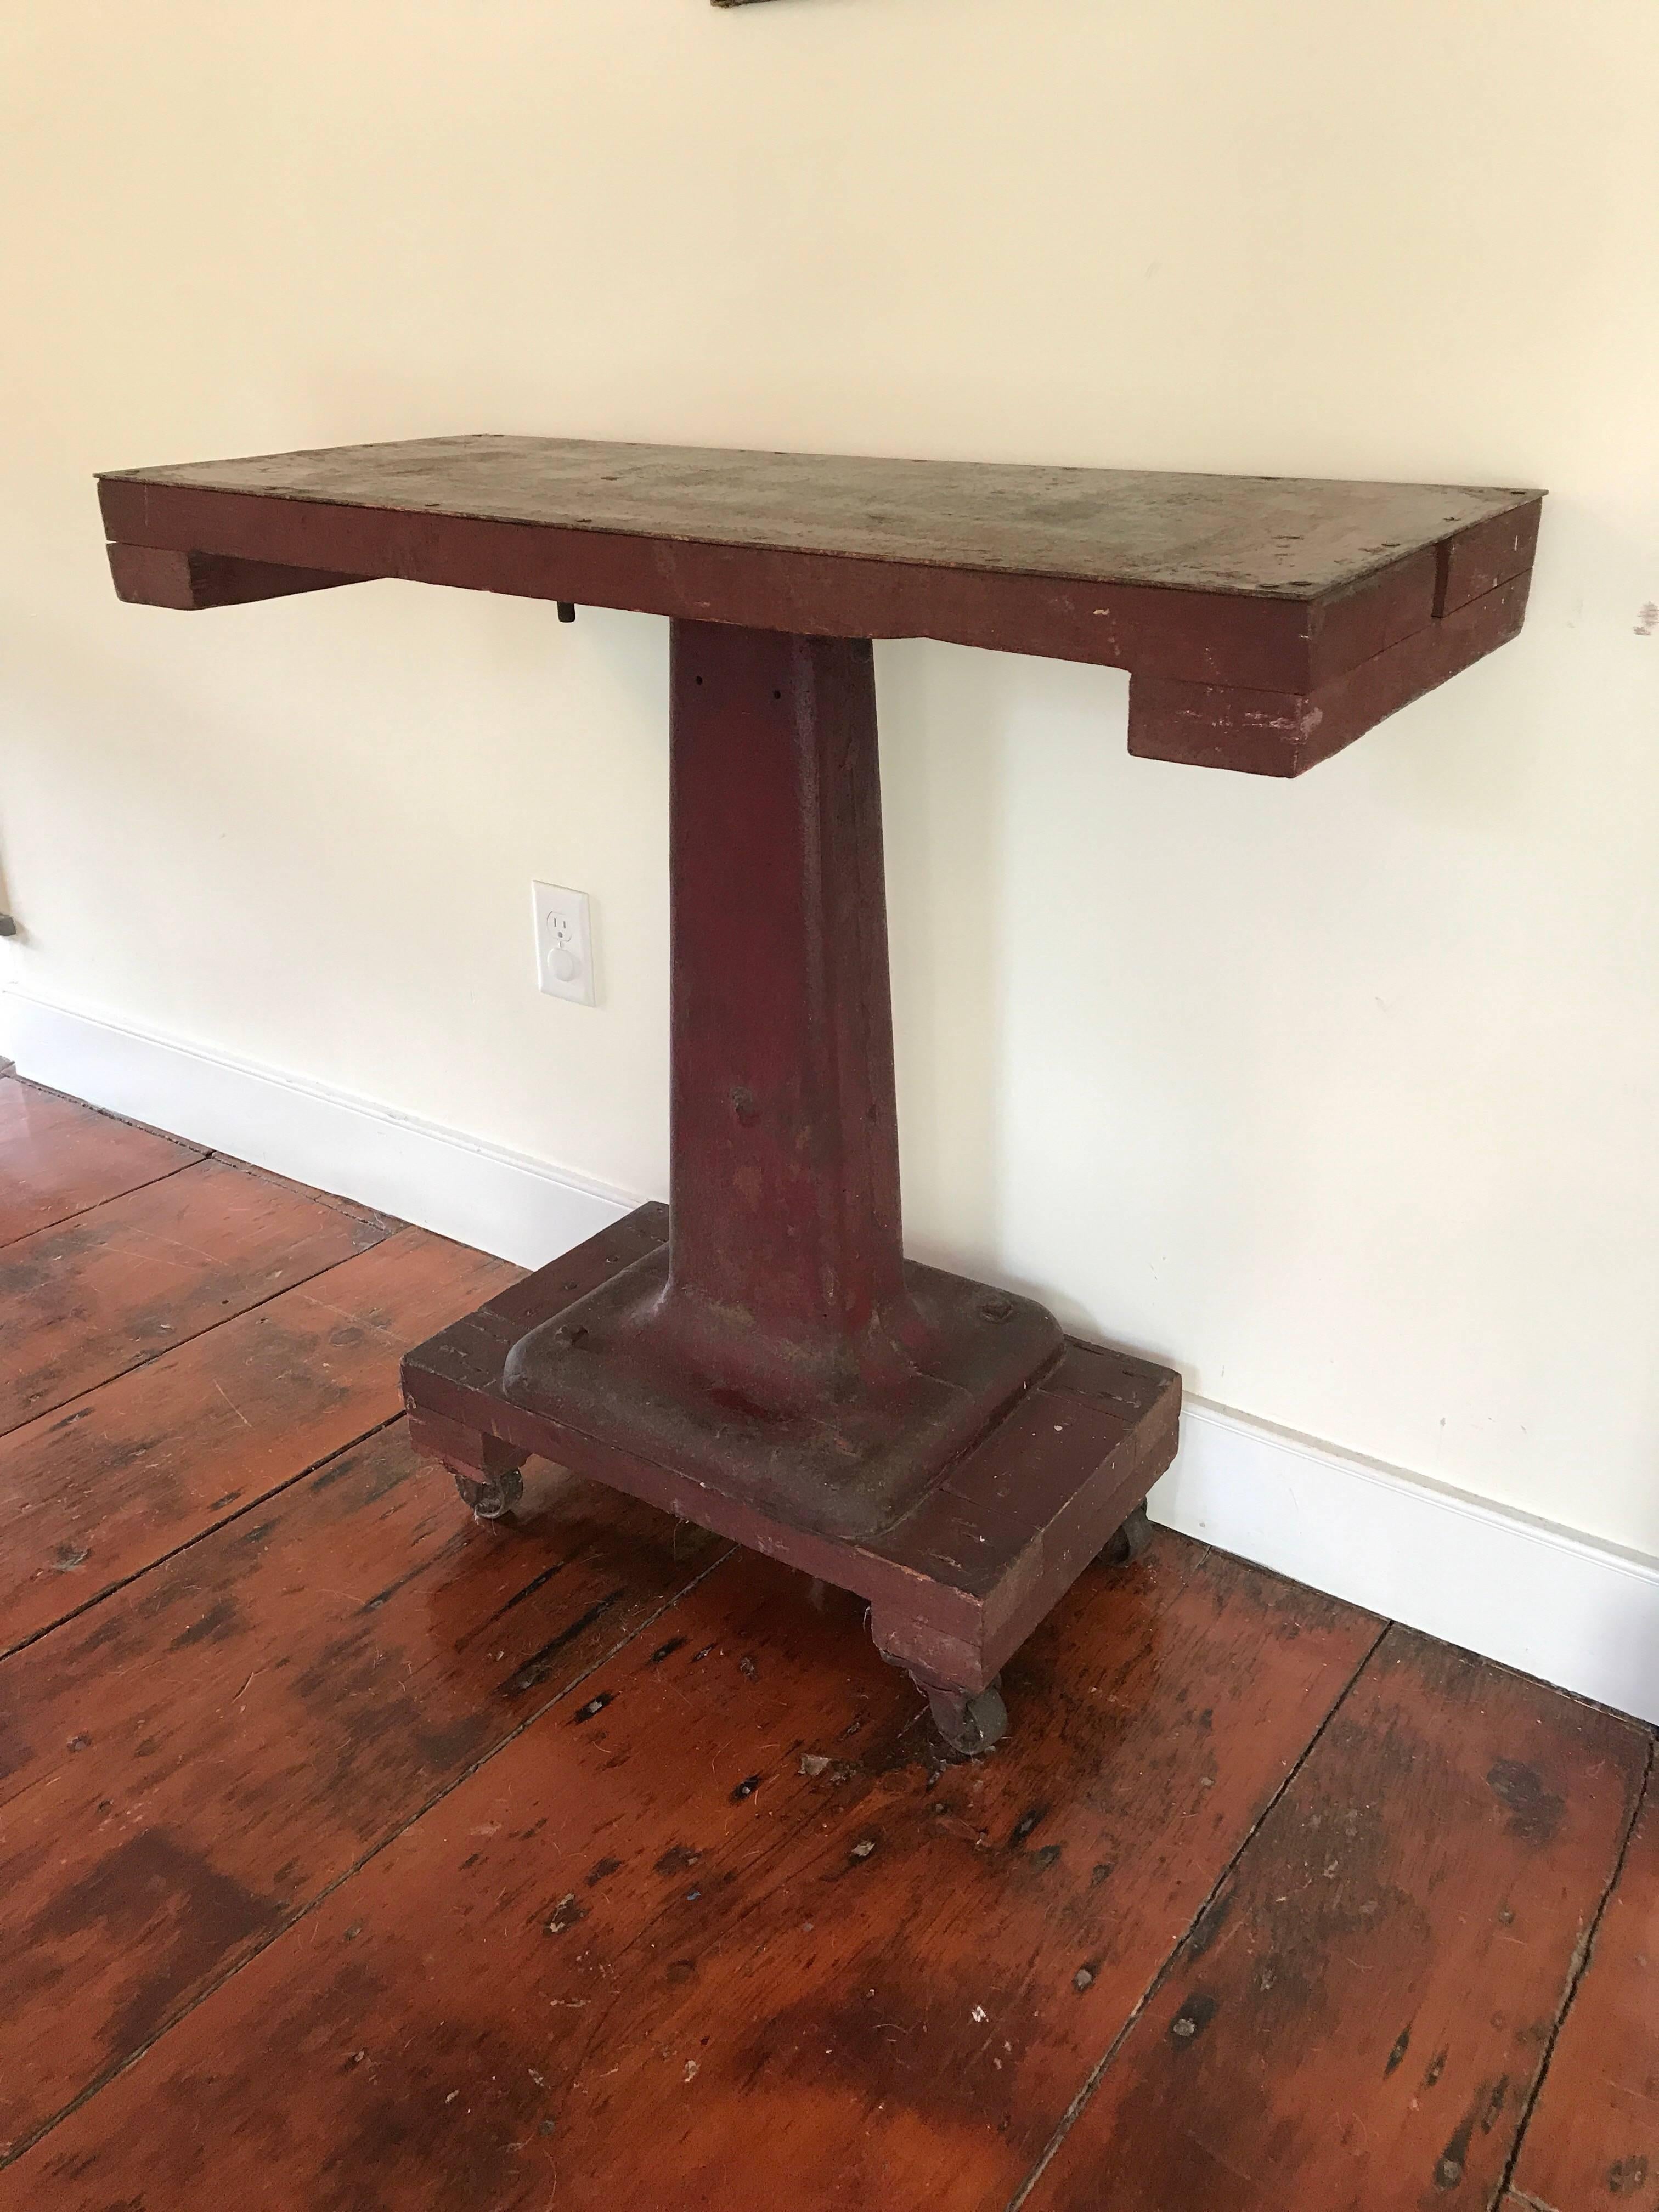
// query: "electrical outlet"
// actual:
[[564, 944]]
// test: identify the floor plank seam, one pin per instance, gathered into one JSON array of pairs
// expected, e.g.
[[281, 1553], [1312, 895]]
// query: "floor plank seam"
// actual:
[[212, 1529], [40, 1413], [104, 1113], [1576, 1972], [79, 1213], [1649, 1729], [1092, 2081], [350, 1874], [351, 1209]]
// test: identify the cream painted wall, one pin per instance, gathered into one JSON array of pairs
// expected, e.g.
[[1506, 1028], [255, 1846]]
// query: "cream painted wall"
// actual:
[[1342, 1094]]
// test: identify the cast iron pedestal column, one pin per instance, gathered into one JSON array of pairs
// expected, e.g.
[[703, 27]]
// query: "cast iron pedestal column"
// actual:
[[782, 1346]]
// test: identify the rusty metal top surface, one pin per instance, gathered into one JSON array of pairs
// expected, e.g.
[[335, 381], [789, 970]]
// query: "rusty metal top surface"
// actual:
[[1259, 537]]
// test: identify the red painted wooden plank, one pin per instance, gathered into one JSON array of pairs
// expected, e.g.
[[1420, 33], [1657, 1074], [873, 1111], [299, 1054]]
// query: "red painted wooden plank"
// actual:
[[187, 1766], [1487, 554], [1273, 537], [723, 1934], [1594, 2136], [57, 1157], [90, 1298], [1357, 2023], [1202, 580], [91, 1496], [1286, 733]]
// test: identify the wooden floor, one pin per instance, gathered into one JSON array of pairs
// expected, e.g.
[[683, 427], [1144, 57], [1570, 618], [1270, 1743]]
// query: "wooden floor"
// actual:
[[358, 1858]]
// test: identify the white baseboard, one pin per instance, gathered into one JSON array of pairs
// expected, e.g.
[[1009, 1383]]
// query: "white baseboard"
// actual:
[[520, 1209], [1580, 1612], [1577, 1611]]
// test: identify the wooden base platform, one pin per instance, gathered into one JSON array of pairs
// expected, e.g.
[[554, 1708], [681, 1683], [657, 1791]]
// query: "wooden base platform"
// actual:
[[955, 1585]]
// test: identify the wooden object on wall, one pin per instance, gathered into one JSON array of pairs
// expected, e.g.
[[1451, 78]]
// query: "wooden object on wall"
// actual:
[[762, 1358]]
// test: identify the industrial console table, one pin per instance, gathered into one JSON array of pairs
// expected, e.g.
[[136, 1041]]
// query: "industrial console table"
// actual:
[[759, 1355]]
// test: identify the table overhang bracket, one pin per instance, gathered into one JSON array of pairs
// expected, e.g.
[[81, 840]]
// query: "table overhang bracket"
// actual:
[[161, 576]]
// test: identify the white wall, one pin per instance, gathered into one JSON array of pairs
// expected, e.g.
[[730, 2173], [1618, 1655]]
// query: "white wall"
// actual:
[[1340, 1094]]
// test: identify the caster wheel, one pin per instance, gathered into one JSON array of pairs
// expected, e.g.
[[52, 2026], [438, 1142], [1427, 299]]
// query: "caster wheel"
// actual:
[[969, 1725], [490, 1496], [1127, 1542]]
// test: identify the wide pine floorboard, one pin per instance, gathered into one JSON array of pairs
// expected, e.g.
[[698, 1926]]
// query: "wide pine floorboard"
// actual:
[[126, 1279], [1364, 2014], [358, 1856], [1595, 2134], [93, 1493], [57, 1157]]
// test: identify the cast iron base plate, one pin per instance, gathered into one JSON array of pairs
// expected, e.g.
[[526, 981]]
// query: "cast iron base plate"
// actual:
[[956, 1583], [848, 1465]]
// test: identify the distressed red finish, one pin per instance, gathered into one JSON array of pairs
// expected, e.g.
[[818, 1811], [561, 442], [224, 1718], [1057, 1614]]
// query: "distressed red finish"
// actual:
[[764, 1361], [784, 1140], [1301, 610]]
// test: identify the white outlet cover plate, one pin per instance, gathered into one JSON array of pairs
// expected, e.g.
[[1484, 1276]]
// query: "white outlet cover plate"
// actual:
[[564, 944]]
